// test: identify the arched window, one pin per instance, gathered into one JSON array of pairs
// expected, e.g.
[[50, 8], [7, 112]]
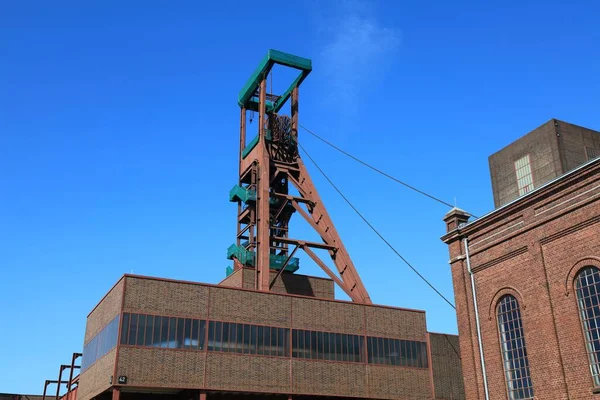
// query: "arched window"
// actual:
[[587, 284], [514, 352]]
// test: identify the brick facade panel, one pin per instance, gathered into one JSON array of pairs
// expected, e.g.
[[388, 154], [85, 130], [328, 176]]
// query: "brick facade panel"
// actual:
[[154, 296], [393, 323], [294, 284], [398, 383], [104, 312], [166, 368], [446, 364], [329, 378], [327, 316], [249, 307], [247, 373], [96, 379]]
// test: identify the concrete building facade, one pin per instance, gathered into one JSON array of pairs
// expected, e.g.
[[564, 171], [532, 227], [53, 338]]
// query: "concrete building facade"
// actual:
[[527, 289], [540, 156]]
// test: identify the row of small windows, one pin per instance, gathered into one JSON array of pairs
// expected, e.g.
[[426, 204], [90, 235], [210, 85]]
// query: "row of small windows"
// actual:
[[165, 332], [248, 339], [397, 352], [229, 337], [102, 343], [512, 340]]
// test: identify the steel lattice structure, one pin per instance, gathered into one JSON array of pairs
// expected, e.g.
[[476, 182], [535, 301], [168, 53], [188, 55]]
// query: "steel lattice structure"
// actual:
[[268, 165]]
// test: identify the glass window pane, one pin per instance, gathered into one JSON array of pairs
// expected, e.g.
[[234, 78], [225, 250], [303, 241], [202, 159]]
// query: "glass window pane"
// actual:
[[164, 332], [133, 328], [314, 345], [157, 329], [246, 339], [225, 346], [172, 333], [202, 335], [187, 333], [180, 332], [260, 340], [194, 334], [149, 330], [125, 328], [267, 341], [514, 354], [587, 285], [141, 330], [286, 342], [253, 333]]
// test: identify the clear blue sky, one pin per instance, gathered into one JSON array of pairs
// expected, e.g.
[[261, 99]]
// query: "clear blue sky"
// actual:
[[119, 129]]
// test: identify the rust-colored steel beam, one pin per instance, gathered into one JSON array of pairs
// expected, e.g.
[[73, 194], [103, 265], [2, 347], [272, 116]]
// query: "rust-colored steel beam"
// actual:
[[262, 197], [268, 165], [342, 260], [287, 260], [304, 243], [60, 381], [329, 272], [73, 368]]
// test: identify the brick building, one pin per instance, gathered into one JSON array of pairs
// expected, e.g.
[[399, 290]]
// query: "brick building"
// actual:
[[152, 337], [526, 276]]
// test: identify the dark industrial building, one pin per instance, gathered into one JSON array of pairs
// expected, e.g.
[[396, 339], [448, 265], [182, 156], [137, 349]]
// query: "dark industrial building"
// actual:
[[540, 156], [265, 329], [527, 275]]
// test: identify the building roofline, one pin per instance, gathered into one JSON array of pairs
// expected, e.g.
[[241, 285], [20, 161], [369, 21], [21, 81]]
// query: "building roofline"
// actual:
[[107, 293], [268, 293], [524, 198]]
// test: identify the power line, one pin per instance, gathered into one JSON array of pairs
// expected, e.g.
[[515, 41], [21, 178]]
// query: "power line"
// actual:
[[375, 229], [377, 169]]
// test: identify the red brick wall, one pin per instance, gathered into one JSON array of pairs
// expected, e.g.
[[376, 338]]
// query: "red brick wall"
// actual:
[[532, 250]]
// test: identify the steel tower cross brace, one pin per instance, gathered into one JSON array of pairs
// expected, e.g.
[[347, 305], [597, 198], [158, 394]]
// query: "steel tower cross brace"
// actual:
[[268, 165]]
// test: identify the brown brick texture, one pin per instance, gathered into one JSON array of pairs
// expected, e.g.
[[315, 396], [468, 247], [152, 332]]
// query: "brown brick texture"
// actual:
[[161, 297], [96, 379], [447, 371], [386, 383], [289, 283], [145, 367], [532, 250]]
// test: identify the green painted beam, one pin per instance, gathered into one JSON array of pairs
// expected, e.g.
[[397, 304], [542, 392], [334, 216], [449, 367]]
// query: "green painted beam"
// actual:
[[286, 95], [250, 146], [273, 57]]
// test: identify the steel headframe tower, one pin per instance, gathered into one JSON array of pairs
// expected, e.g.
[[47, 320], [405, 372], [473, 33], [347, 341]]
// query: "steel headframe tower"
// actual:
[[268, 164]]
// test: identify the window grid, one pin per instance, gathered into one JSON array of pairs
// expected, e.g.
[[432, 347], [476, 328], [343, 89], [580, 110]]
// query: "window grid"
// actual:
[[514, 351], [229, 337], [101, 344], [167, 332], [327, 346], [587, 285], [524, 175]]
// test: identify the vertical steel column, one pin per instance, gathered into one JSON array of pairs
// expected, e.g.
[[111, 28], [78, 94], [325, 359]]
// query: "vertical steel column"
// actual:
[[242, 146], [45, 388], [116, 394], [62, 368], [202, 395], [73, 366], [262, 191]]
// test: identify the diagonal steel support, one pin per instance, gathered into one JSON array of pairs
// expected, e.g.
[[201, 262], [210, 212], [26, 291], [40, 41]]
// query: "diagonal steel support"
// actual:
[[287, 260], [325, 268]]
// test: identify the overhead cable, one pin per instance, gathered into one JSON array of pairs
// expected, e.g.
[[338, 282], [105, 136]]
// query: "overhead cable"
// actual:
[[375, 229], [377, 169]]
